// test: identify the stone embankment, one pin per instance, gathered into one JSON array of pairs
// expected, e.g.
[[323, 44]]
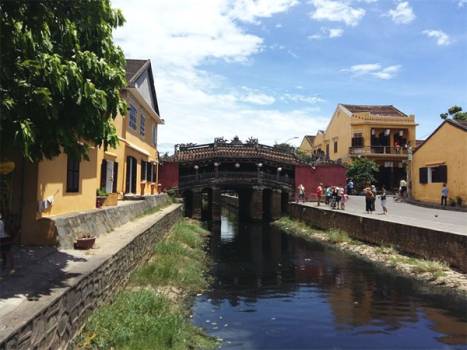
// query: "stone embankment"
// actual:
[[435, 274], [53, 299], [423, 242]]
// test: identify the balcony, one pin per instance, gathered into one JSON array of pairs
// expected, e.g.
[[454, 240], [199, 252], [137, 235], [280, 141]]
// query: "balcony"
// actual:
[[378, 151]]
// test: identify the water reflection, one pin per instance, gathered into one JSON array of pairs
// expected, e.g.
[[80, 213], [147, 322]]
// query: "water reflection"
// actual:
[[272, 291]]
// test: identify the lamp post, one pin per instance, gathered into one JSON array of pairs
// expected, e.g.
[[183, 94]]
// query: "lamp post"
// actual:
[[292, 138]]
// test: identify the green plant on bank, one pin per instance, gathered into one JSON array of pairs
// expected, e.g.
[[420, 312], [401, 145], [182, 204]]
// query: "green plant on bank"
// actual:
[[100, 192], [435, 268], [153, 210], [338, 236], [386, 250], [142, 318]]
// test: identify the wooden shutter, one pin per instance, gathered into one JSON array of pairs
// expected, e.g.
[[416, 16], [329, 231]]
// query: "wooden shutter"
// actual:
[[423, 175], [143, 170], [72, 178], [127, 178], [443, 173], [103, 174], [114, 185], [133, 171]]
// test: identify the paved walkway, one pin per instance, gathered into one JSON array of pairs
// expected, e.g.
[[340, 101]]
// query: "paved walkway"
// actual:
[[42, 274], [410, 214]]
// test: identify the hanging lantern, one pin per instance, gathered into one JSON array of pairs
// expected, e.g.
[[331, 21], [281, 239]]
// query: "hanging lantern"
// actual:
[[279, 169], [196, 167], [373, 131], [387, 132], [260, 165], [401, 132], [237, 165], [216, 164]]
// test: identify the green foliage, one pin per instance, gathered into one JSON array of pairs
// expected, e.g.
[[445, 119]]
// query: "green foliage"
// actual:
[[60, 76], [101, 192], [284, 147], [304, 156], [143, 318], [338, 236], [455, 112], [362, 171]]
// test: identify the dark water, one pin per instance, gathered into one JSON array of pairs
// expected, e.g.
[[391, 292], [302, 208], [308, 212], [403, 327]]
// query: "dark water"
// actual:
[[273, 291]]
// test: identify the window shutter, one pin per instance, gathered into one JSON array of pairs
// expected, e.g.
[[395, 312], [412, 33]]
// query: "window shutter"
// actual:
[[149, 172], [133, 171], [423, 174], [443, 173], [114, 185], [128, 172], [143, 170], [103, 173]]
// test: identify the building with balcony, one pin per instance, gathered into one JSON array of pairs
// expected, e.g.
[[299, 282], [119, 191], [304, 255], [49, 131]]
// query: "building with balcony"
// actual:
[[442, 158], [64, 185], [378, 132]]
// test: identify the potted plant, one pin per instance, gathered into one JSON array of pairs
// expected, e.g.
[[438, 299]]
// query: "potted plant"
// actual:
[[85, 242], [101, 195]]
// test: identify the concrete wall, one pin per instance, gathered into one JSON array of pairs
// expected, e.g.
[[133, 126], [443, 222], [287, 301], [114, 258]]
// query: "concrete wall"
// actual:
[[96, 222], [66, 310], [447, 146], [422, 242]]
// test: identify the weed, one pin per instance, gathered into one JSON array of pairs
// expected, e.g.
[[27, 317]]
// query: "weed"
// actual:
[[338, 236]]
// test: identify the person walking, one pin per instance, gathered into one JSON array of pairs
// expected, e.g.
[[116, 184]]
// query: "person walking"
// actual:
[[341, 195], [368, 199], [350, 186], [402, 189], [383, 200], [328, 194], [319, 193], [444, 195], [373, 199], [301, 193]]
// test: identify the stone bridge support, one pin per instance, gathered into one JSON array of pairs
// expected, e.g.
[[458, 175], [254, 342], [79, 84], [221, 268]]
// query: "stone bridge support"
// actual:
[[216, 204], [255, 205], [197, 204], [276, 204]]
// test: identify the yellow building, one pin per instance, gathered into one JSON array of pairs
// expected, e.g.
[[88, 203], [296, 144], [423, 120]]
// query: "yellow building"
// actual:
[[378, 132], [442, 158], [64, 185], [306, 147]]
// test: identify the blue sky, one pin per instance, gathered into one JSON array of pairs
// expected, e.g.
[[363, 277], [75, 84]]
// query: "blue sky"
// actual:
[[276, 69]]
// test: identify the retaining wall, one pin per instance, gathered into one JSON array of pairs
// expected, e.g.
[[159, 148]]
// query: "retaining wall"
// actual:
[[66, 310], [98, 221], [422, 242]]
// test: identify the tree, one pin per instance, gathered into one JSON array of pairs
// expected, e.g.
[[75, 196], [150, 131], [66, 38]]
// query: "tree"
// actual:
[[60, 76], [284, 147], [362, 171], [455, 112]]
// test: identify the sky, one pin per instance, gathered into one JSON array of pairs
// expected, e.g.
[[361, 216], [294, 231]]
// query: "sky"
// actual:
[[276, 69]]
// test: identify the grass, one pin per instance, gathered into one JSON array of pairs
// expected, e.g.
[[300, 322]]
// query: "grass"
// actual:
[[140, 317], [393, 257], [153, 210]]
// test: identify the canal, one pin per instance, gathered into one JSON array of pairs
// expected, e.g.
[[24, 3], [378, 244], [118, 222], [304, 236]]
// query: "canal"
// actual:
[[274, 291]]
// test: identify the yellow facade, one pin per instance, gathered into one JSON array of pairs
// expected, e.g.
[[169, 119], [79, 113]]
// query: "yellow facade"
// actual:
[[306, 146], [447, 146], [47, 182], [381, 133]]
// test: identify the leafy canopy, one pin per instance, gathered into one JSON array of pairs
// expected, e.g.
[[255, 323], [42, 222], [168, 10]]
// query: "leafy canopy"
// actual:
[[455, 112], [60, 76], [362, 171]]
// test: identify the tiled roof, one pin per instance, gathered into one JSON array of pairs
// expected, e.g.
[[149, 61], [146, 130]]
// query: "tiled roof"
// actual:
[[381, 110], [459, 123], [310, 139], [234, 152], [133, 67]]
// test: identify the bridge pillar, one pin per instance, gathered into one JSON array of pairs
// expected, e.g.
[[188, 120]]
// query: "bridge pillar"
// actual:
[[197, 205], [276, 204], [255, 206], [216, 204]]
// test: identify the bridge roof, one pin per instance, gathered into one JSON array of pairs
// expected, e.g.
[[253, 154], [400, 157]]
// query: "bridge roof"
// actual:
[[233, 151]]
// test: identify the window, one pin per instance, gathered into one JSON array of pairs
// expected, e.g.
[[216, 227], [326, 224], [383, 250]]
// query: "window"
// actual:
[[335, 146], [423, 175], [439, 174], [327, 150], [143, 170], [154, 134], [149, 172], [72, 175], [132, 120], [141, 125], [130, 175], [357, 140]]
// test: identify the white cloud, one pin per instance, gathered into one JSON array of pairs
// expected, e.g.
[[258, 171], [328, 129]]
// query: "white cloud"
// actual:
[[301, 98], [327, 33], [336, 11], [441, 37], [461, 3], [402, 14], [251, 10], [278, 25], [199, 105], [375, 70]]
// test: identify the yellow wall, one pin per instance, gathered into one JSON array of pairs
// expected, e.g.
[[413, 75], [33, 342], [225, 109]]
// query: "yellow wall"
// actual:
[[338, 130], [448, 145], [49, 177], [305, 146]]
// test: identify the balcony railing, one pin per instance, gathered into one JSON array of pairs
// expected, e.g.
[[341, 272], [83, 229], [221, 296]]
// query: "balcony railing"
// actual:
[[376, 150]]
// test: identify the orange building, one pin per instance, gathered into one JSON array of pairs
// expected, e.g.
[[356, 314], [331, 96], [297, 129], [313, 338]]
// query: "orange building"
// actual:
[[64, 185]]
